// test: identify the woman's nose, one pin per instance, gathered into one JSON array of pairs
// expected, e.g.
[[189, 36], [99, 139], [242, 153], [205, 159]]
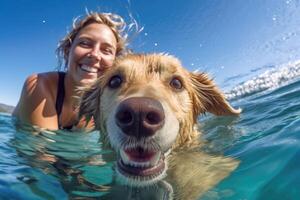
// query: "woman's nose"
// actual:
[[95, 54]]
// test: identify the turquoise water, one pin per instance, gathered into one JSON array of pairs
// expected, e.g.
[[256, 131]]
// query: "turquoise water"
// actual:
[[65, 165]]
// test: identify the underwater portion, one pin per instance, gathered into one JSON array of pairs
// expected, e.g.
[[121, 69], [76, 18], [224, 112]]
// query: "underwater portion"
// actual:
[[265, 138]]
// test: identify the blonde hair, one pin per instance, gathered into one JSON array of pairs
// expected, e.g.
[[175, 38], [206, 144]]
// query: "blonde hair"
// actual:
[[115, 22]]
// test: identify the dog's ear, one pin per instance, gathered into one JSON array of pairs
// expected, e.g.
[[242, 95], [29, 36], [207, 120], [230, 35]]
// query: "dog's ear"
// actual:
[[208, 98], [90, 104]]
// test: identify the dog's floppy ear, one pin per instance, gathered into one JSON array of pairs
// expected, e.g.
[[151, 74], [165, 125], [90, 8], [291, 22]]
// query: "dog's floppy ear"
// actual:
[[90, 103], [208, 98]]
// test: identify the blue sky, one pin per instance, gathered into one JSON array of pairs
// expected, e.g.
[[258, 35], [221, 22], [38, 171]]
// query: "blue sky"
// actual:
[[225, 38]]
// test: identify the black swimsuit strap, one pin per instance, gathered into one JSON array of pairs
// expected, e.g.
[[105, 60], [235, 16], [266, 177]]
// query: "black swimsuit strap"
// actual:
[[60, 98], [60, 94]]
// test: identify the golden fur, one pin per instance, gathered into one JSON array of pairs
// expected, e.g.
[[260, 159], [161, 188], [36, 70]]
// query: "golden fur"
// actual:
[[151, 76]]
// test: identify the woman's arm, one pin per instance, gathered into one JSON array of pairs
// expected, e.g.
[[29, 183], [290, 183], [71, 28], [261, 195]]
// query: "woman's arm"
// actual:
[[37, 102]]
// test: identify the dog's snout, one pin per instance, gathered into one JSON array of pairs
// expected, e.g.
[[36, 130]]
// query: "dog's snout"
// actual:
[[140, 116]]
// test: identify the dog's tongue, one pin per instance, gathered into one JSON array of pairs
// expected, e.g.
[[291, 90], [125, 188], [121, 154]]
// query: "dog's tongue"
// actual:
[[139, 154]]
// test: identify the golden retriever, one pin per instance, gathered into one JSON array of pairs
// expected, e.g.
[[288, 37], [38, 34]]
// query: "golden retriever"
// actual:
[[146, 106]]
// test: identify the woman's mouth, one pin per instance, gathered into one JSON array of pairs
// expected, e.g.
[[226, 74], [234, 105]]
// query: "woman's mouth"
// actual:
[[89, 69]]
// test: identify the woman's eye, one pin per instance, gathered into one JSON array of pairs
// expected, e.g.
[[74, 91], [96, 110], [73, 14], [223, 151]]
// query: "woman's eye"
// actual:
[[84, 43], [115, 82], [176, 83], [107, 51]]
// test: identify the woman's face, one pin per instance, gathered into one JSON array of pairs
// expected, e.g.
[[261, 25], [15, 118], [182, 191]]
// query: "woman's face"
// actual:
[[92, 51]]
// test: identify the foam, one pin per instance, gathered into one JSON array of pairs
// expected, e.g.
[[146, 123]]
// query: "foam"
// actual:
[[270, 79]]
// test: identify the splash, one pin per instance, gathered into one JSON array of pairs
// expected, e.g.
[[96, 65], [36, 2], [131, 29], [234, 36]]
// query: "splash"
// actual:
[[270, 79]]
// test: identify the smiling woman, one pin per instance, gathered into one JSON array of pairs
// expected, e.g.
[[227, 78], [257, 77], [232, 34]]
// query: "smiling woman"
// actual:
[[93, 50], [48, 100]]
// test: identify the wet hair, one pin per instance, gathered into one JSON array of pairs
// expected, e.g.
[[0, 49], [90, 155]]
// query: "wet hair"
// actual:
[[115, 22]]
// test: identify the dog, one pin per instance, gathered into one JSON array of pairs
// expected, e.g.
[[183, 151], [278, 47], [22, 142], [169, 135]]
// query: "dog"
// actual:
[[146, 107]]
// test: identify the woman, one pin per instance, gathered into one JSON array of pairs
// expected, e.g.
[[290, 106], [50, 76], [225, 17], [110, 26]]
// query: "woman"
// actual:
[[48, 99]]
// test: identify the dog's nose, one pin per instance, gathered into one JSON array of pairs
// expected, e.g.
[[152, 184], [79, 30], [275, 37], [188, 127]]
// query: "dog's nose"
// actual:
[[140, 116]]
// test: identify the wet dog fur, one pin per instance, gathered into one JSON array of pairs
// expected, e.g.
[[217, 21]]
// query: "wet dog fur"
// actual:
[[159, 145]]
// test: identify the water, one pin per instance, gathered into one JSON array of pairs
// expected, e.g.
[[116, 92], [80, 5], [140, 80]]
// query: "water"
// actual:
[[265, 138]]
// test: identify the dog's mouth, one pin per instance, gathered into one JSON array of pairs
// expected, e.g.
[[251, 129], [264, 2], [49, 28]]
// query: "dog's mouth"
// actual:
[[141, 163]]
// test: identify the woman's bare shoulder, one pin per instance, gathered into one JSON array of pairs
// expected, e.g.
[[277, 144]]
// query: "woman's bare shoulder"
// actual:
[[40, 85], [37, 101], [41, 80]]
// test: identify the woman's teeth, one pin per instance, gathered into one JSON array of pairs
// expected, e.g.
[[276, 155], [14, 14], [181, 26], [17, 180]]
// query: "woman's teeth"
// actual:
[[89, 69]]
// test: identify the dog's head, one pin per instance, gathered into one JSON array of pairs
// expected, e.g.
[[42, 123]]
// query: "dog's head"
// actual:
[[147, 105]]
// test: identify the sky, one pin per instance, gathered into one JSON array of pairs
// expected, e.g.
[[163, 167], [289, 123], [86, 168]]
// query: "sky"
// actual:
[[225, 38]]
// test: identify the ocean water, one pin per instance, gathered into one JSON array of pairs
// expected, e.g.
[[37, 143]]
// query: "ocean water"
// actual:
[[265, 138]]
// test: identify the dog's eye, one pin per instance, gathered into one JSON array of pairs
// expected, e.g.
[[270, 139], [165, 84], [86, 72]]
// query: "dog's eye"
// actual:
[[176, 83], [115, 82]]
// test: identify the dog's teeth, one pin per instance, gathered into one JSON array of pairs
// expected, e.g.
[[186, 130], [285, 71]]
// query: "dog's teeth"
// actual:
[[155, 159], [152, 162], [124, 157]]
